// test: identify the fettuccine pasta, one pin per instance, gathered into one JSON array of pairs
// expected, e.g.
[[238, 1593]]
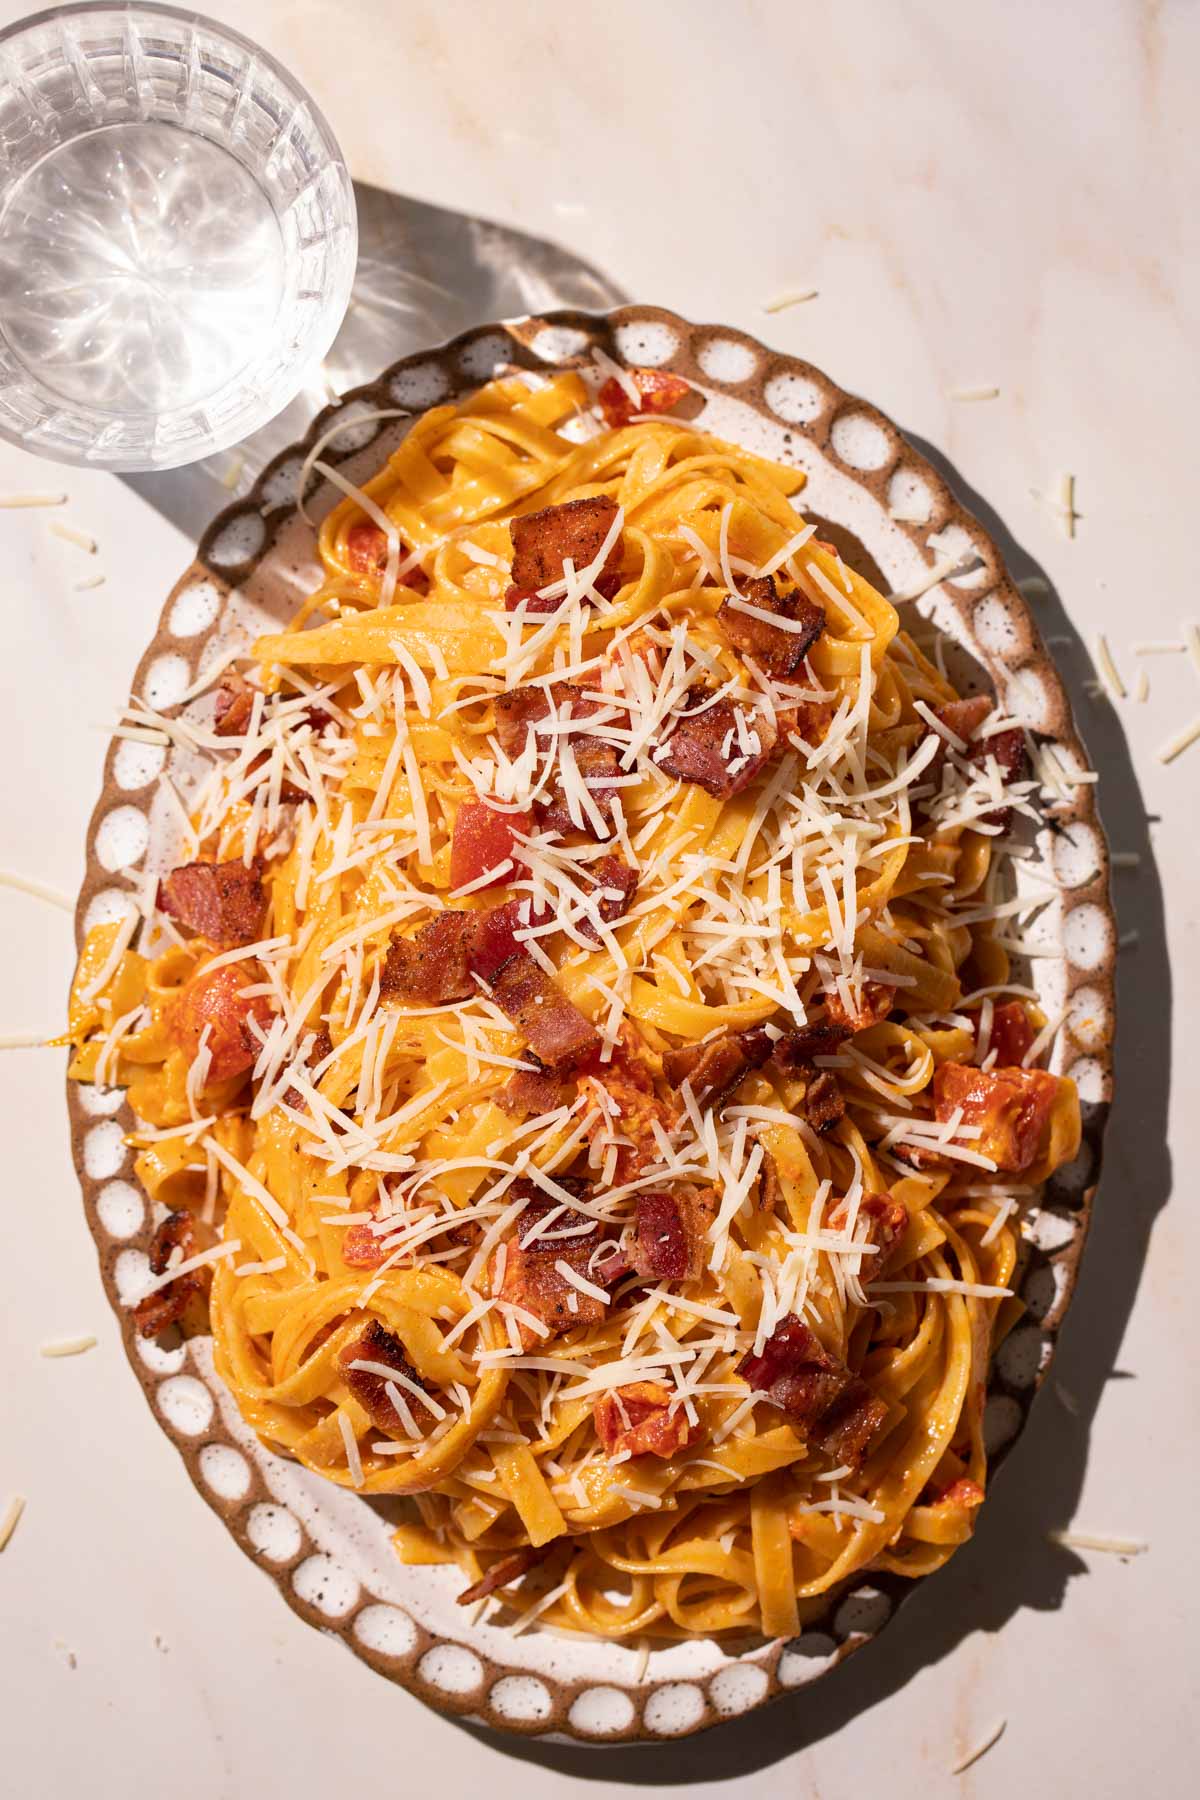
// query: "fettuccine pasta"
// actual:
[[576, 1061]]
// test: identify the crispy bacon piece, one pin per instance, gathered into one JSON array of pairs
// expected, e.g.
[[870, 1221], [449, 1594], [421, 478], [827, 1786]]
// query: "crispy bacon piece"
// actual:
[[599, 765], [964, 717], [658, 392], [718, 1066], [706, 747], [235, 703], [504, 1572], [775, 648], [532, 1280], [167, 1305], [378, 1345], [797, 1049], [543, 540], [517, 714], [885, 1221], [834, 1408], [322, 1044], [1011, 1034], [619, 882], [483, 840], [367, 552], [555, 1030], [218, 1000], [432, 967], [823, 1101], [1012, 1108], [641, 1420], [223, 902], [493, 934], [533, 1091], [608, 586], [671, 1233], [663, 1251], [875, 1004]]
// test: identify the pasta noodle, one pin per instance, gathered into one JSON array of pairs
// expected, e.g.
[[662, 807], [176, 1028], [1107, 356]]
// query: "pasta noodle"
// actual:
[[579, 1075]]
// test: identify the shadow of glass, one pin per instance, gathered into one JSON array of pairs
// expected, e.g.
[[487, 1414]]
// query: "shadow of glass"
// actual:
[[1010, 1563], [424, 274]]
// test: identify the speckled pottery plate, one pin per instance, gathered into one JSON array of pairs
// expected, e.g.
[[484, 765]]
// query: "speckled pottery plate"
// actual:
[[329, 1551]]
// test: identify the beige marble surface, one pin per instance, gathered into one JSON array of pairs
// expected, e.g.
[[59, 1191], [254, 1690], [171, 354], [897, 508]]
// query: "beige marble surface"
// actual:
[[999, 193]]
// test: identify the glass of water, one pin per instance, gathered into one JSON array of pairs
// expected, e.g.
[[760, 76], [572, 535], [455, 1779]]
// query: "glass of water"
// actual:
[[177, 236]]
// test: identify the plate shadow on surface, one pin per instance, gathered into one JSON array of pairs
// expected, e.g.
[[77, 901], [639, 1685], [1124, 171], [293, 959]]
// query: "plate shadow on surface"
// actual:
[[1009, 1565]]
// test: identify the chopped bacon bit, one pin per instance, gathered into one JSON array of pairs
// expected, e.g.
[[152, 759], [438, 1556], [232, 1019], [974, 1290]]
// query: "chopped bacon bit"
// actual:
[[517, 714], [671, 1233], [483, 839], [797, 1049], [167, 1305], [531, 1279], [718, 1066], [642, 1419], [533, 1091], [658, 392], [778, 651], [663, 1251], [377, 1344], [964, 717], [874, 1006], [504, 1572], [608, 586], [223, 902], [611, 873], [599, 766], [553, 1027], [696, 749], [886, 1221], [493, 940], [367, 554], [432, 967], [1012, 1108], [625, 1085], [322, 1045], [823, 1101], [218, 1000], [235, 703], [822, 1398], [770, 1191], [1011, 1034], [807, 720], [542, 541]]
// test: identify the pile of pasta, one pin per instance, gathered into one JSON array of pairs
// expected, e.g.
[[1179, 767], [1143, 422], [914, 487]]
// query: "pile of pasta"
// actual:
[[576, 1061]]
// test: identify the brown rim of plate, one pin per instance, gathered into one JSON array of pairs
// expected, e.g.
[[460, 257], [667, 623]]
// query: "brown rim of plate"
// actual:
[[791, 394]]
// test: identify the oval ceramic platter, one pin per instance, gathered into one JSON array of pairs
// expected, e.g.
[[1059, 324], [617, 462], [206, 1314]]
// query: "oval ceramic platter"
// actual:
[[892, 516]]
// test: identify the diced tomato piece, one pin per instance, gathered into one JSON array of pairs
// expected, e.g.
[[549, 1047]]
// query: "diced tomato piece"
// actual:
[[659, 392], [1012, 1108], [1011, 1034], [639, 1419], [218, 1000], [363, 1248], [483, 840]]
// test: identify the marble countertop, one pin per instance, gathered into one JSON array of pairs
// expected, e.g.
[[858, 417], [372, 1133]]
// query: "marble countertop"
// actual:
[[995, 195]]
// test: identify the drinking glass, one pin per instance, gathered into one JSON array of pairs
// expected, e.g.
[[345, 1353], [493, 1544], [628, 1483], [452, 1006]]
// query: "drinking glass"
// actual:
[[177, 236]]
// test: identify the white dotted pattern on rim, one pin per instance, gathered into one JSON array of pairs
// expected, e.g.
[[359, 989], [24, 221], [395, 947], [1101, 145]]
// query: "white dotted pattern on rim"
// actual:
[[602, 1712], [122, 838], [650, 342], [238, 541], [674, 1709], [226, 1471], [860, 443], [452, 1668], [421, 386], [194, 608], [326, 1585], [386, 1630], [727, 361], [522, 1698], [274, 1532], [136, 765], [795, 399], [187, 1404]]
